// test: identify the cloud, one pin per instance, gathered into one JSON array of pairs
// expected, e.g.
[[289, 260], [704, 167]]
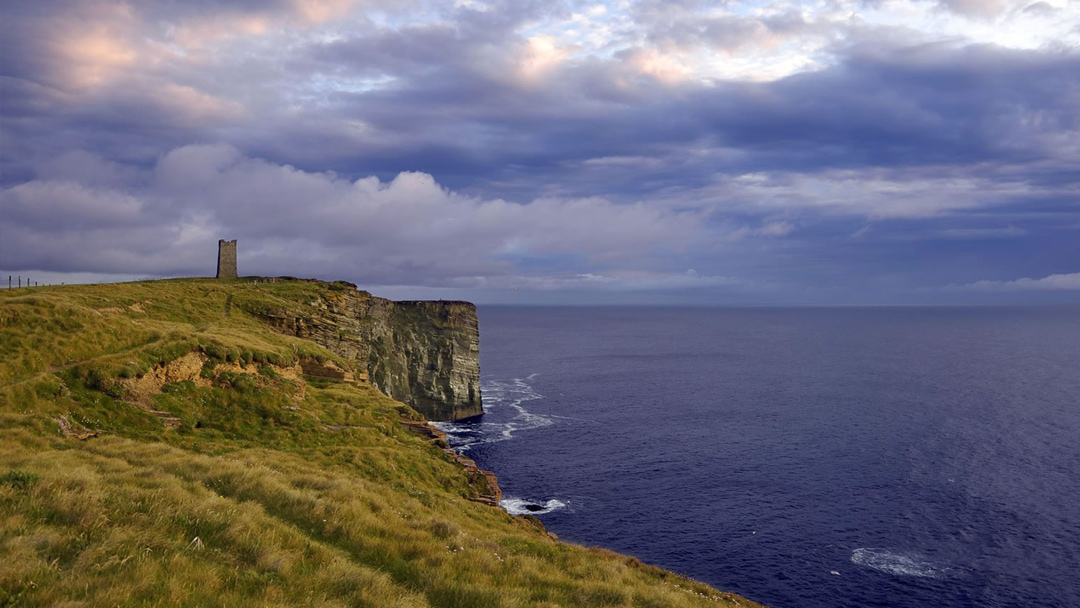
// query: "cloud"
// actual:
[[69, 206], [440, 142], [613, 282], [974, 8], [511, 97], [983, 233], [770, 229], [86, 169], [876, 194], [1054, 282], [290, 221]]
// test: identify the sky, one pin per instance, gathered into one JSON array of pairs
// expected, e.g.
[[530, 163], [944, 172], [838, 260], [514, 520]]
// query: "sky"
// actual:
[[557, 152]]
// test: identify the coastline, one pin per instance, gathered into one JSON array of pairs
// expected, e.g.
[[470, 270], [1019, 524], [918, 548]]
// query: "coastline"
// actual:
[[427, 430]]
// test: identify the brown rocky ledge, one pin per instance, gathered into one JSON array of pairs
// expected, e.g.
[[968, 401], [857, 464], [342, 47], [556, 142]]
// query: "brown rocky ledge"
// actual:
[[492, 493]]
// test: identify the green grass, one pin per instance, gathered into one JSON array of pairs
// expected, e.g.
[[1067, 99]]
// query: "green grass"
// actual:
[[236, 482]]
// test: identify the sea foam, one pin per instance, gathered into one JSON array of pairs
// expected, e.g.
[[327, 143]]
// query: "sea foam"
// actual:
[[522, 506], [495, 425], [899, 563]]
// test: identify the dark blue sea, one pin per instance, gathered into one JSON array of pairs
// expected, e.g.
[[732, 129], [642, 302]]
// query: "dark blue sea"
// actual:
[[815, 457]]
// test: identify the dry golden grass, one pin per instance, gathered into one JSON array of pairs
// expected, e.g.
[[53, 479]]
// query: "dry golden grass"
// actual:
[[261, 494]]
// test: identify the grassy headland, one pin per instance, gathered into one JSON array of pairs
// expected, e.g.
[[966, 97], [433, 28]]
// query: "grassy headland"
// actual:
[[161, 446]]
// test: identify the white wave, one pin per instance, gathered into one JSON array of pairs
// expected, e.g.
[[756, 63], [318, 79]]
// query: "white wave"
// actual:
[[899, 563], [494, 426], [522, 506]]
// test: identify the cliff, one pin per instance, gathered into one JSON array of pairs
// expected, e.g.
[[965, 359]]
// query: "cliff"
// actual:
[[424, 353]]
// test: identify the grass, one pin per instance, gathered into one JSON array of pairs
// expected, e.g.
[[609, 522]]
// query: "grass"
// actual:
[[156, 451]]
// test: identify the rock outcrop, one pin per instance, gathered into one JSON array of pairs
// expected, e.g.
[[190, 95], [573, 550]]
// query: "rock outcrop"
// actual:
[[485, 481], [424, 353]]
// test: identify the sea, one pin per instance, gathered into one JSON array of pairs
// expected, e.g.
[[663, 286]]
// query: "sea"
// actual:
[[800, 457]]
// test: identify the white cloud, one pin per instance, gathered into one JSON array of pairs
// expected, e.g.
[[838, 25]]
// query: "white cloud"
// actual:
[[1054, 282], [872, 193], [409, 229], [758, 41]]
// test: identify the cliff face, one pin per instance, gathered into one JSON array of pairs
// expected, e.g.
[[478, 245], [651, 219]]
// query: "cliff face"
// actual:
[[426, 354]]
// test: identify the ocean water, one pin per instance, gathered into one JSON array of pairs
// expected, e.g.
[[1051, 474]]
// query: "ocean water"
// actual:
[[800, 457]]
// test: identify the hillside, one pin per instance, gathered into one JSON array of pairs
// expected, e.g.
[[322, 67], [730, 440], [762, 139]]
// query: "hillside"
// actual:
[[163, 444]]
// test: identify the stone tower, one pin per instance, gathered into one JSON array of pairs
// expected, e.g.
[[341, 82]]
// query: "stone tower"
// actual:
[[226, 259]]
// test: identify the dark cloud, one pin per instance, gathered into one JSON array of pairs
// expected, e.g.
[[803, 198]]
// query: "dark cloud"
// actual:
[[913, 106]]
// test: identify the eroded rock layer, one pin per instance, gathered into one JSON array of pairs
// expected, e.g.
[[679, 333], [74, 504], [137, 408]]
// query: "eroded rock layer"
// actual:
[[424, 353]]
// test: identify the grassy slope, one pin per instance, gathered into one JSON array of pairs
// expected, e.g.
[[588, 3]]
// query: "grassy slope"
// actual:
[[263, 489]]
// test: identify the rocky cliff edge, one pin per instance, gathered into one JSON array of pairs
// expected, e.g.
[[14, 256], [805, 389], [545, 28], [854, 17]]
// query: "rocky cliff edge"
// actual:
[[423, 353]]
